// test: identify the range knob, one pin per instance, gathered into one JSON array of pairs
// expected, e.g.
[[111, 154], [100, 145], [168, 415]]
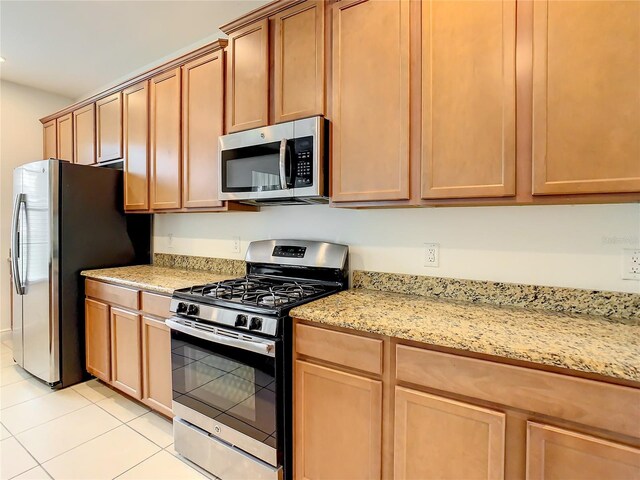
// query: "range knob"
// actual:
[[181, 308], [241, 321], [193, 310], [256, 323]]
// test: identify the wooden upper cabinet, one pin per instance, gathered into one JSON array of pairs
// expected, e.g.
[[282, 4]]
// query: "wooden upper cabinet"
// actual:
[[337, 424], [109, 127], [126, 352], [468, 98], [299, 89], [135, 101], [166, 157], [202, 124], [49, 140], [370, 106], [555, 453], [97, 339], [84, 135], [64, 133], [248, 77], [436, 437], [586, 97]]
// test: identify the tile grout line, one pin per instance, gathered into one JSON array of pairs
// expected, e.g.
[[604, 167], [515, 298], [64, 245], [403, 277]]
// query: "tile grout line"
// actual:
[[142, 461], [48, 421]]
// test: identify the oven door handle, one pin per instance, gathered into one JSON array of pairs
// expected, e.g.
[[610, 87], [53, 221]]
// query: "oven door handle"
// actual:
[[265, 347]]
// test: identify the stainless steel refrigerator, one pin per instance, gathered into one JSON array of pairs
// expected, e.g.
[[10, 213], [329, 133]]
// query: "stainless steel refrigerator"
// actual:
[[66, 218]]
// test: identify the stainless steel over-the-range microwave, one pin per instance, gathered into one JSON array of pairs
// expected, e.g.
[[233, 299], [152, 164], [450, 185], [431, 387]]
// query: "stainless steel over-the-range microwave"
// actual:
[[279, 164]]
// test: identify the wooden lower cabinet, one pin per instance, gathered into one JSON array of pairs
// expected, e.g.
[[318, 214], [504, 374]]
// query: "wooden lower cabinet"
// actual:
[[555, 453], [128, 344], [338, 424], [433, 415], [125, 352], [97, 339], [156, 364], [432, 433]]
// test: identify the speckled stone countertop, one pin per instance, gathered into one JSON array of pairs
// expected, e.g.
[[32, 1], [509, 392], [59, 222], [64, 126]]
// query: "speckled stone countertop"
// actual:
[[156, 279], [580, 342]]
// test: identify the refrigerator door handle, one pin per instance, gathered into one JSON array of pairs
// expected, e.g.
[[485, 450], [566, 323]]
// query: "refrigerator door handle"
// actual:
[[15, 243]]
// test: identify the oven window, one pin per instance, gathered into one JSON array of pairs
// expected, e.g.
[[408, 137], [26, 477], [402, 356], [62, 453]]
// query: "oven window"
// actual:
[[236, 387], [252, 169]]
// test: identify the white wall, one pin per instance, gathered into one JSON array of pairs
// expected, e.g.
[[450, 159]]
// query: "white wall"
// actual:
[[20, 142], [571, 246]]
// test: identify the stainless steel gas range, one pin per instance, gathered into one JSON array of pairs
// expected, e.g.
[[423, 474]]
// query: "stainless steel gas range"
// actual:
[[231, 358]]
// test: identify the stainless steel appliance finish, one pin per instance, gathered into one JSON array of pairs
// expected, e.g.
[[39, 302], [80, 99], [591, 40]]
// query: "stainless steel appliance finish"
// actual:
[[220, 457], [283, 163], [51, 242], [231, 347], [316, 254], [222, 336]]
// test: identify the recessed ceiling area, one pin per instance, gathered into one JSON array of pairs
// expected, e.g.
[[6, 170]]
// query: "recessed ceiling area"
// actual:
[[75, 48]]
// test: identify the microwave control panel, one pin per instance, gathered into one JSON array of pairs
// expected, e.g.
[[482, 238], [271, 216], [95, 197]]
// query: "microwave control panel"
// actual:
[[303, 155]]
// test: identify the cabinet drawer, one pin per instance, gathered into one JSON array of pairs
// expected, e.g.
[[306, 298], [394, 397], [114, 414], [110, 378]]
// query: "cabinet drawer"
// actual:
[[125, 297], [154, 304], [602, 405], [353, 351]]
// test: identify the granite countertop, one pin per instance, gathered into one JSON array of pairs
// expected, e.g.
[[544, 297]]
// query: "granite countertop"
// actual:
[[579, 342], [156, 279]]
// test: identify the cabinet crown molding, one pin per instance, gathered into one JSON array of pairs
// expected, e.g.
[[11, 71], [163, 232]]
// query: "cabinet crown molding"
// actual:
[[258, 14], [169, 65]]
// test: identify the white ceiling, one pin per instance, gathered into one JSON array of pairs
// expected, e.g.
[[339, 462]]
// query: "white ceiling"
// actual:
[[76, 48]]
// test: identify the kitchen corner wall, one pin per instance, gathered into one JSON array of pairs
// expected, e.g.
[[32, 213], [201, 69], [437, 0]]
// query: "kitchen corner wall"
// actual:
[[576, 246], [20, 142]]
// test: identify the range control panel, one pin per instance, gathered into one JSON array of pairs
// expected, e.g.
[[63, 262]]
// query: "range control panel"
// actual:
[[289, 251]]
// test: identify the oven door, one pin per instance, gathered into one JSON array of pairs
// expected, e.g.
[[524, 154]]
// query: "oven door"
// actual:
[[225, 383]]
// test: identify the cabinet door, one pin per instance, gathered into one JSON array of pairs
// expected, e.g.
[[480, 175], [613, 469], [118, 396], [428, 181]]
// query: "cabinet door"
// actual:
[[135, 101], [97, 339], [49, 140], [436, 437], [554, 453], [166, 158], [299, 62], [370, 106], [125, 352], [248, 77], [84, 135], [468, 98], [156, 365], [586, 97], [64, 132], [338, 424], [202, 124], [109, 127]]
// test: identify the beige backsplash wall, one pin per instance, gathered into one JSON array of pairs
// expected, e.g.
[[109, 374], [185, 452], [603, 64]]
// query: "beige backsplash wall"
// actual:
[[569, 246]]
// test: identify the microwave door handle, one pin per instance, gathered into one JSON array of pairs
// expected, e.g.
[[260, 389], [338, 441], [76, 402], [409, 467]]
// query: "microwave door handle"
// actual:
[[15, 244], [263, 348], [283, 159]]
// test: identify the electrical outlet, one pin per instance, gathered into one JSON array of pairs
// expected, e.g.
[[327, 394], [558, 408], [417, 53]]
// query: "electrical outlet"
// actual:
[[631, 264], [170, 243], [236, 245], [431, 254]]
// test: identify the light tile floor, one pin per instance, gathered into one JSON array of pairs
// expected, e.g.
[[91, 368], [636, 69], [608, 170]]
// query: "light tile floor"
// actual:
[[88, 431]]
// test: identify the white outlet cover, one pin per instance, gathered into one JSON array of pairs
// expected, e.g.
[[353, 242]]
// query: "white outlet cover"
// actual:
[[431, 254], [631, 264]]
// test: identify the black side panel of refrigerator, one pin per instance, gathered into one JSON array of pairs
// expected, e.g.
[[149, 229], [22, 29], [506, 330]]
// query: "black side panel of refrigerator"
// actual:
[[94, 233]]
